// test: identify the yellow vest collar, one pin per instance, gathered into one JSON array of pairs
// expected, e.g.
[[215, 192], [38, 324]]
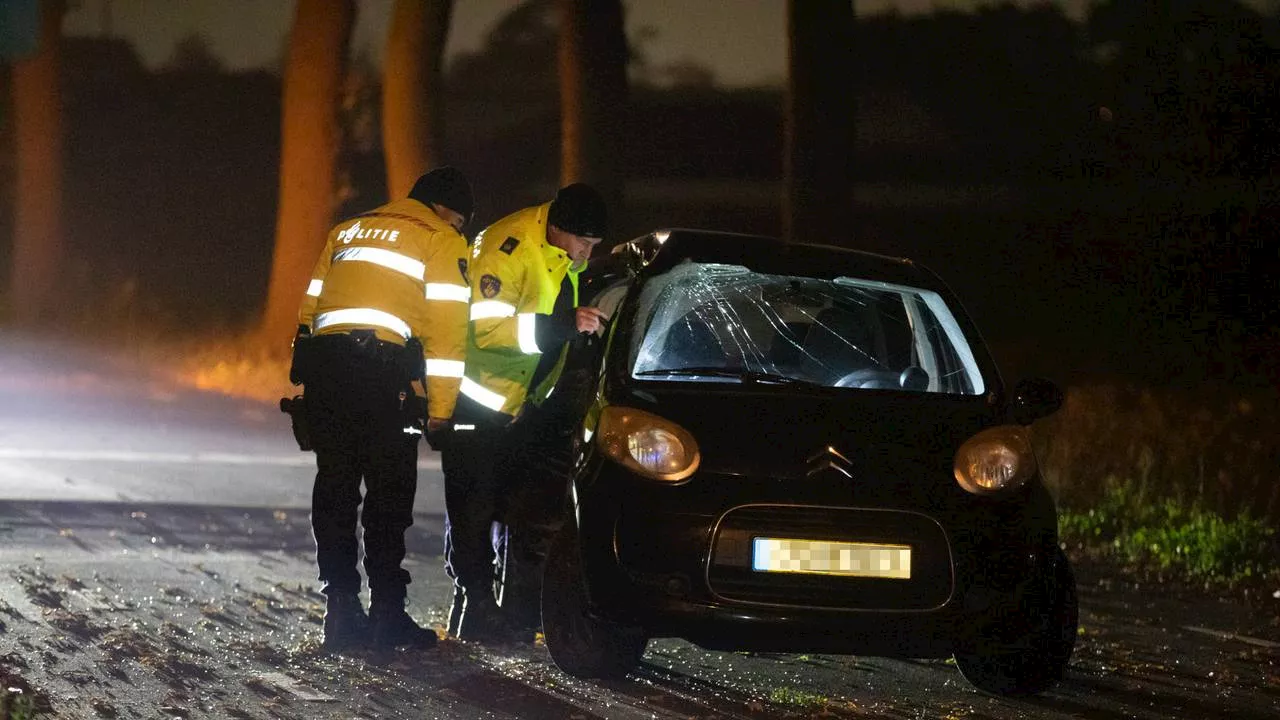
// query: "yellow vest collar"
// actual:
[[554, 255]]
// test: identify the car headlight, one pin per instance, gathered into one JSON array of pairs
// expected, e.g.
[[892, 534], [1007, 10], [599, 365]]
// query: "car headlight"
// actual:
[[647, 444], [995, 460]]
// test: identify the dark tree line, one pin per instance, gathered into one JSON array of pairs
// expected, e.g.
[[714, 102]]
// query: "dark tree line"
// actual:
[[171, 176], [1165, 89]]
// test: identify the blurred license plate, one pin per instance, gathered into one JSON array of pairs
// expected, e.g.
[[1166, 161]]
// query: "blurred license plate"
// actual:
[[825, 557]]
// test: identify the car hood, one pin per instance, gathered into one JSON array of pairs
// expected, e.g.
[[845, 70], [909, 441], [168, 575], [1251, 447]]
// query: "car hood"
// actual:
[[792, 434]]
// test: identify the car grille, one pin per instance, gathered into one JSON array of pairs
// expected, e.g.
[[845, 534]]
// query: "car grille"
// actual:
[[730, 574]]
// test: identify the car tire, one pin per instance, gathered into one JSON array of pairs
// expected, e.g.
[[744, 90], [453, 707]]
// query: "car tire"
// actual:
[[499, 539], [517, 581], [1030, 661], [581, 645]]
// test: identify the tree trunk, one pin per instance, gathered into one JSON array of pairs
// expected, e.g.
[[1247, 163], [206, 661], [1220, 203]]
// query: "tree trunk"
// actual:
[[593, 93], [313, 79], [818, 204], [37, 141], [412, 91]]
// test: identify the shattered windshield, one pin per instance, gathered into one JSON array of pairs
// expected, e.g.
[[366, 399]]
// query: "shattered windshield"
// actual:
[[707, 322]]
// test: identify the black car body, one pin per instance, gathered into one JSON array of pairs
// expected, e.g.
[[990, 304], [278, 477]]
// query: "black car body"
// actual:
[[804, 448]]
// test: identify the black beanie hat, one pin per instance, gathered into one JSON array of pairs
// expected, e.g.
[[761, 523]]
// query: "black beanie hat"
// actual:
[[579, 210], [445, 186]]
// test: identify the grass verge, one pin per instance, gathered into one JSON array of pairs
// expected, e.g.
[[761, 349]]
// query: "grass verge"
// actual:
[[16, 705], [237, 366], [1174, 539], [799, 698]]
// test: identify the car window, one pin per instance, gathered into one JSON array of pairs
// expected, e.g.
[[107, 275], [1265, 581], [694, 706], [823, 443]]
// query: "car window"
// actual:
[[726, 323]]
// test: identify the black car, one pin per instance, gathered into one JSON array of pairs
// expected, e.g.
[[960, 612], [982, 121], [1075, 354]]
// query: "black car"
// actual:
[[800, 448]]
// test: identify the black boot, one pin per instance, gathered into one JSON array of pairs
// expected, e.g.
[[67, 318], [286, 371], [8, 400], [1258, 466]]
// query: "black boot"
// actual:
[[392, 627], [483, 621], [345, 624]]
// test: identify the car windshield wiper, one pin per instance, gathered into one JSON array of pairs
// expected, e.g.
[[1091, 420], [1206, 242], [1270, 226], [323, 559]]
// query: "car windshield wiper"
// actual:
[[739, 373]]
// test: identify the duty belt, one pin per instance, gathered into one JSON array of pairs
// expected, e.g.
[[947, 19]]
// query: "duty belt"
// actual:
[[364, 343]]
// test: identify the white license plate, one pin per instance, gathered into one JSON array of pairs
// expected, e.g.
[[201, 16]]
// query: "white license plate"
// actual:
[[826, 557]]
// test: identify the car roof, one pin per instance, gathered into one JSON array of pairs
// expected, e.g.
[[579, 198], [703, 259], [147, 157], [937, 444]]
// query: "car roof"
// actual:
[[660, 250]]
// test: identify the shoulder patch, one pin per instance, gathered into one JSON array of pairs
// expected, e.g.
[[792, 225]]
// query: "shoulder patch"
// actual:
[[490, 286], [508, 246], [462, 268]]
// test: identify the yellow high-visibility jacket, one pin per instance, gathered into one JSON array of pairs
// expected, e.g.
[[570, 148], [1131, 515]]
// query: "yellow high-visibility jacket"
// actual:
[[400, 271], [516, 276]]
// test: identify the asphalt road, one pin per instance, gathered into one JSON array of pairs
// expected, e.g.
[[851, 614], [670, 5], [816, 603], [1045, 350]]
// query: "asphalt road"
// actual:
[[155, 562], [79, 425]]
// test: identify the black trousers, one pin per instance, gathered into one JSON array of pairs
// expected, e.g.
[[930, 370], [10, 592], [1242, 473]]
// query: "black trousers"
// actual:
[[358, 404], [475, 461], [533, 507], [505, 486]]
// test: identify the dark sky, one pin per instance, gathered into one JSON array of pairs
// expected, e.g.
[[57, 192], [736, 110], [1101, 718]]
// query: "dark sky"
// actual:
[[742, 41]]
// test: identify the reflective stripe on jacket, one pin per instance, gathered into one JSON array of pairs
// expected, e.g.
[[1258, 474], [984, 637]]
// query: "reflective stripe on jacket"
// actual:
[[516, 276], [400, 271]]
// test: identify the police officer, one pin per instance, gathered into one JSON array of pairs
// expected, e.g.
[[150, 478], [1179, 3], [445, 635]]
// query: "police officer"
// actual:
[[387, 304], [524, 280]]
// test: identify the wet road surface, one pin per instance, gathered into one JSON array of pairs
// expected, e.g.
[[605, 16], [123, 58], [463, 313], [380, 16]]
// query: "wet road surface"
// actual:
[[211, 611], [77, 424]]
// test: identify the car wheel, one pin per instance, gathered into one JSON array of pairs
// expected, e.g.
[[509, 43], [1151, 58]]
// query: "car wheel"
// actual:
[[581, 645], [499, 539], [517, 578], [1035, 654]]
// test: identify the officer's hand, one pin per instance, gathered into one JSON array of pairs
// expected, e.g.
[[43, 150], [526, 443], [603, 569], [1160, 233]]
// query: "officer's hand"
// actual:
[[590, 319], [436, 435]]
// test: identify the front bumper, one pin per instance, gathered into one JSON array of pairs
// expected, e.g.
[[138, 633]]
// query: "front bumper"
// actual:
[[676, 561]]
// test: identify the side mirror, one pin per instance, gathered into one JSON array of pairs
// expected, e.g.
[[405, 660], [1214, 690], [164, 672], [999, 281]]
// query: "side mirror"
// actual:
[[637, 254], [1034, 398], [630, 257]]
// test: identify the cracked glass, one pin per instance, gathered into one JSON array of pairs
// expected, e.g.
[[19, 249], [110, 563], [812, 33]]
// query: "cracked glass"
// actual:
[[708, 322]]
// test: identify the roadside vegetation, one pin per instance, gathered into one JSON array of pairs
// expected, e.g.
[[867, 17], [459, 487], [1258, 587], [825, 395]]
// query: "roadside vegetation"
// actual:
[[802, 698], [225, 360], [1169, 538], [18, 702], [236, 365], [1170, 482]]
